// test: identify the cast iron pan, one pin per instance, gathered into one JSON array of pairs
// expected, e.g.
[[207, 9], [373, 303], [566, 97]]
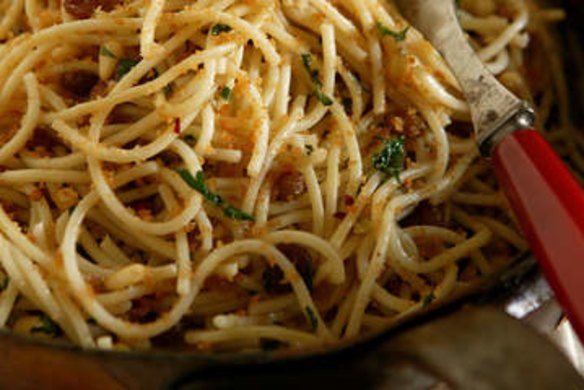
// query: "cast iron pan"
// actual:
[[468, 344]]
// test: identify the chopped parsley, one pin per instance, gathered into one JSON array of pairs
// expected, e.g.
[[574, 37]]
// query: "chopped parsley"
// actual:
[[311, 318], [167, 89], [46, 326], [220, 28], [235, 213], [190, 139], [198, 183], [226, 93], [314, 76], [322, 97], [4, 284], [397, 35], [347, 104], [428, 299], [309, 149], [125, 66], [105, 52], [307, 62], [390, 159]]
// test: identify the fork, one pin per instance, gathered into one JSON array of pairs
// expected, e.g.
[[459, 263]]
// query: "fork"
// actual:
[[546, 199]]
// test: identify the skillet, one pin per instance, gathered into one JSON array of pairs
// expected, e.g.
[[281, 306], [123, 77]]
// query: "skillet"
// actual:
[[467, 343]]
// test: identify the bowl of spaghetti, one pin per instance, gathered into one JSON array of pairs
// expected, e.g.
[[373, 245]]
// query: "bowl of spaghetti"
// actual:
[[217, 177]]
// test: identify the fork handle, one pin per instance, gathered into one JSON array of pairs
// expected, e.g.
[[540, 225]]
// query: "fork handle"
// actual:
[[549, 204]]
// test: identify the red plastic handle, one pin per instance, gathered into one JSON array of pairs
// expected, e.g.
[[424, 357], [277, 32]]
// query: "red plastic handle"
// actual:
[[549, 204]]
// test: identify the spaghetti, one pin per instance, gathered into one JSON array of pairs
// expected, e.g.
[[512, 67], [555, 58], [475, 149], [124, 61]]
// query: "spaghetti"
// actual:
[[243, 174]]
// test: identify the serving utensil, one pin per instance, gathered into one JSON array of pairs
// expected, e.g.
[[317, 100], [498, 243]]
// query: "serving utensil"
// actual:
[[545, 197]]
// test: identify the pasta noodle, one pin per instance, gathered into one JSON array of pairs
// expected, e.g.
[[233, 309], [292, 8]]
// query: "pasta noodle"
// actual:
[[247, 174]]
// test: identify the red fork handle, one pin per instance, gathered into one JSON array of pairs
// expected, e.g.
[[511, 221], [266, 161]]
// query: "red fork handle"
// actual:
[[549, 204]]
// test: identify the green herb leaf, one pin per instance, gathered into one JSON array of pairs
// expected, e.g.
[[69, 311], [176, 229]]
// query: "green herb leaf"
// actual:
[[397, 35], [220, 28], [235, 213], [390, 159], [268, 344], [104, 51], [307, 62], [167, 89], [309, 149], [198, 184], [46, 326], [190, 139], [314, 76], [428, 299], [225, 93], [347, 104], [311, 318], [322, 97], [4, 284], [125, 66]]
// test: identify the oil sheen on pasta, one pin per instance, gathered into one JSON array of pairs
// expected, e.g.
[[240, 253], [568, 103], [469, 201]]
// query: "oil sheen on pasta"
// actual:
[[234, 175]]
